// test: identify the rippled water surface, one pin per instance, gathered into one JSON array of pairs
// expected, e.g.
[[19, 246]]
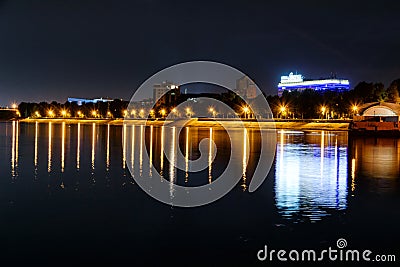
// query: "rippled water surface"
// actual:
[[67, 194]]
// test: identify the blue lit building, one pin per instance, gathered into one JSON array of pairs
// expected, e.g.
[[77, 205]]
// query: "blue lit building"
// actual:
[[81, 101], [296, 82]]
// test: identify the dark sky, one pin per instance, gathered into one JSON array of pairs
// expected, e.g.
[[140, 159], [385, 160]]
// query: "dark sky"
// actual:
[[50, 50]]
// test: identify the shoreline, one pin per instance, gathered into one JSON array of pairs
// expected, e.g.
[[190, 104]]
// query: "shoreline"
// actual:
[[306, 125]]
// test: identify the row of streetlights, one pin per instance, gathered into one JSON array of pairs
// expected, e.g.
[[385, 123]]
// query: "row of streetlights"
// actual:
[[283, 109]]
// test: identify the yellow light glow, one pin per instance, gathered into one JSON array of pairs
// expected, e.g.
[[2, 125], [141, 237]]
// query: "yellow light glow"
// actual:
[[246, 109], [50, 113], [355, 108], [174, 110], [37, 114], [14, 105], [282, 109], [94, 113], [163, 112], [323, 109], [63, 112]]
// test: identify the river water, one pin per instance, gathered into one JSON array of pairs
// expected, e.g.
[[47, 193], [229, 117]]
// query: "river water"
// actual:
[[67, 195]]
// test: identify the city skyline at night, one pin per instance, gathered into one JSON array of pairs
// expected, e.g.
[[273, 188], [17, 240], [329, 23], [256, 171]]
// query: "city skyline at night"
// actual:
[[53, 50]]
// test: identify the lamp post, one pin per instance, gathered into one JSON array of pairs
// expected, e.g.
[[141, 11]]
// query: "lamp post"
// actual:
[[282, 111], [246, 111], [323, 111], [355, 109]]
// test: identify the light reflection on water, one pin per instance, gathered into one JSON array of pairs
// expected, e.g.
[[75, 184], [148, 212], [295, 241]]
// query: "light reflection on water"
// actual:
[[315, 172], [311, 174]]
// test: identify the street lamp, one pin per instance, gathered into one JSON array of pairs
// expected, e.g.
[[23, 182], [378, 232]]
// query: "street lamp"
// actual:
[[212, 111], [141, 113], [188, 112], [163, 112], [14, 105], [355, 109], [246, 111], [282, 110], [94, 113], [323, 110], [64, 113]]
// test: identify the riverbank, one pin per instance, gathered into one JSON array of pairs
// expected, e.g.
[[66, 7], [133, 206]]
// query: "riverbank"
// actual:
[[287, 125]]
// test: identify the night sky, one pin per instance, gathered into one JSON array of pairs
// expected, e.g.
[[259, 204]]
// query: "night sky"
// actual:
[[50, 50]]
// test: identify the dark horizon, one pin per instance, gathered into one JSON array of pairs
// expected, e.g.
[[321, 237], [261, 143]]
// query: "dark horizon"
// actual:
[[50, 51]]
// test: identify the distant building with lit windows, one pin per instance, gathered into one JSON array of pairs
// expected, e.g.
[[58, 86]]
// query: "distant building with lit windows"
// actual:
[[297, 82], [165, 93], [246, 88]]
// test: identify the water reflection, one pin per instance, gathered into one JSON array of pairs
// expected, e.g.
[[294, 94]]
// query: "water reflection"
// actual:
[[150, 152], [133, 148], [35, 161], [375, 161], [172, 170], [244, 160], [187, 154], [124, 146], [141, 151], [49, 148], [299, 190], [310, 173], [63, 147], [210, 153], [78, 147], [93, 145], [14, 149]]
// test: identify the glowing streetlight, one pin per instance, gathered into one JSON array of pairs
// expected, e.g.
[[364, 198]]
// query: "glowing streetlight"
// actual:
[[14, 105], [109, 114], [163, 112], [188, 112], [63, 112], [79, 113], [50, 113], [94, 113], [141, 113], [355, 108], [324, 111], [37, 114], [125, 113], [246, 111]]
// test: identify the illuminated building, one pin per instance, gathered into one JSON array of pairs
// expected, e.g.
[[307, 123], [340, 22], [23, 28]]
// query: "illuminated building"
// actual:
[[246, 88], [297, 82], [81, 101], [165, 94]]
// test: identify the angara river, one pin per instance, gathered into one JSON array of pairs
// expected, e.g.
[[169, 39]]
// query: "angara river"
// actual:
[[68, 197]]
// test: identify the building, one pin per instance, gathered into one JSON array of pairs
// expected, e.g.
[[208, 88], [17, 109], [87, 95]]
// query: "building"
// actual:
[[297, 82], [377, 118], [165, 94], [81, 101], [246, 88]]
